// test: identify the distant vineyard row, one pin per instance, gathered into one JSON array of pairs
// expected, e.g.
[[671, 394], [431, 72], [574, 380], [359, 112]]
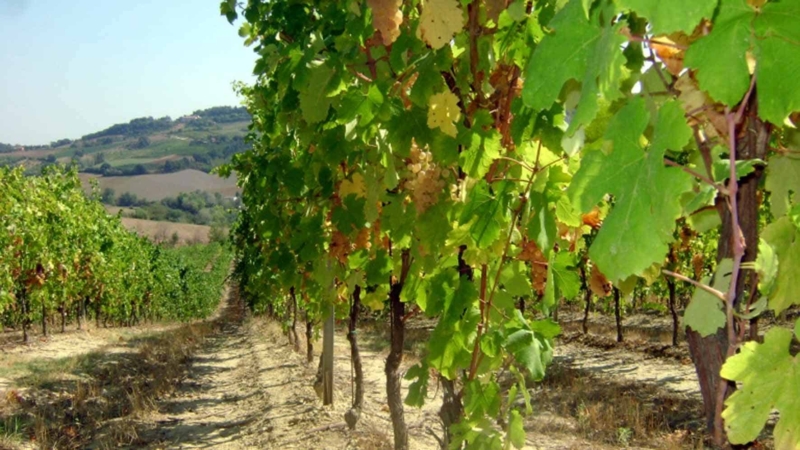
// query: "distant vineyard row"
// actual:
[[60, 252]]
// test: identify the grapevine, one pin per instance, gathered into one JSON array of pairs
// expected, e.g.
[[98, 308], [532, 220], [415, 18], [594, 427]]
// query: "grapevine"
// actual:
[[61, 251], [497, 150]]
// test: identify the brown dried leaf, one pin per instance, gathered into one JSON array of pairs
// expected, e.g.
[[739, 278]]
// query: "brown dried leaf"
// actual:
[[598, 283]]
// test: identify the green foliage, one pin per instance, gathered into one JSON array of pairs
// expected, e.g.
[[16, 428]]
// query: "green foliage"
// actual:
[[783, 178], [136, 127], [771, 36], [770, 378], [705, 313], [60, 248], [784, 236], [639, 228], [666, 17], [224, 114], [495, 156]]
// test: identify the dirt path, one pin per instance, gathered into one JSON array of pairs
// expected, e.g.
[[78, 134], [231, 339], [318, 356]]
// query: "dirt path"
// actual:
[[626, 366], [248, 389]]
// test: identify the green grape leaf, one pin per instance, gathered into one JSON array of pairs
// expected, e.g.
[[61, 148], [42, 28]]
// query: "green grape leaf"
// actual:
[[378, 268], [586, 52], [565, 275], [674, 15], [448, 346], [549, 297], [783, 177], [350, 216], [406, 125], [704, 220], [483, 150], [542, 224], [481, 399], [546, 328], [722, 168], [398, 221], [515, 279], [770, 378], [516, 430], [566, 214], [417, 389], [637, 231], [767, 267], [784, 237], [773, 37], [528, 351], [719, 57], [375, 300], [704, 313], [432, 227], [777, 59], [314, 101], [484, 212]]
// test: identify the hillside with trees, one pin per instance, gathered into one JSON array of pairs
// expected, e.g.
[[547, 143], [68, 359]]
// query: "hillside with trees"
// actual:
[[201, 140]]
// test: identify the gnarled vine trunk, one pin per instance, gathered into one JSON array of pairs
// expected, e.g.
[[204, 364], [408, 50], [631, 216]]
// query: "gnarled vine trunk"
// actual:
[[587, 300], [710, 353], [309, 339], [354, 413], [617, 314], [673, 310], [293, 331], [394, 394]]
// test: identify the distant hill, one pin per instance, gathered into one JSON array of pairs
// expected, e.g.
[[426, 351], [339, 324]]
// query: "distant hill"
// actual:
[[154, 169], [201, 140]]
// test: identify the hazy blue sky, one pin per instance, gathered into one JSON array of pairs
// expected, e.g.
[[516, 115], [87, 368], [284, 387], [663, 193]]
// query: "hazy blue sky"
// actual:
[[72, 67]]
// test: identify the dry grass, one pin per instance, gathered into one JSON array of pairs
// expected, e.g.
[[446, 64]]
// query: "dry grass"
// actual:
[[614, 413], [371, 437], [70, 402]]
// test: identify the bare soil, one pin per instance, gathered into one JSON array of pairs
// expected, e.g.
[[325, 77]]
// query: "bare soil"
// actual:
[[245, 387], [161, 231]]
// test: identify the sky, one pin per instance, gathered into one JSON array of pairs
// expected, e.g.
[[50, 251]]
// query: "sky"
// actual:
[[74, 67]]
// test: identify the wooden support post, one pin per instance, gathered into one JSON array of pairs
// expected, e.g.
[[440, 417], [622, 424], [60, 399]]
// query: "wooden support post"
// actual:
[[327, 358]]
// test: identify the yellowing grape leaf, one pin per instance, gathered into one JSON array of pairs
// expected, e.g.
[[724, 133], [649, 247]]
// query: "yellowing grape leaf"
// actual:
[[356, 186], [638, 229], [783, 176], [443, 112], [770, 378], [439, 21], [668, 53], [386, 18], [704, 313]]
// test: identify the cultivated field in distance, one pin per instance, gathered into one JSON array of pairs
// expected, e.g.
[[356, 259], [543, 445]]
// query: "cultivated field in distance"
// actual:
[[159, 231], [158, 186]]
